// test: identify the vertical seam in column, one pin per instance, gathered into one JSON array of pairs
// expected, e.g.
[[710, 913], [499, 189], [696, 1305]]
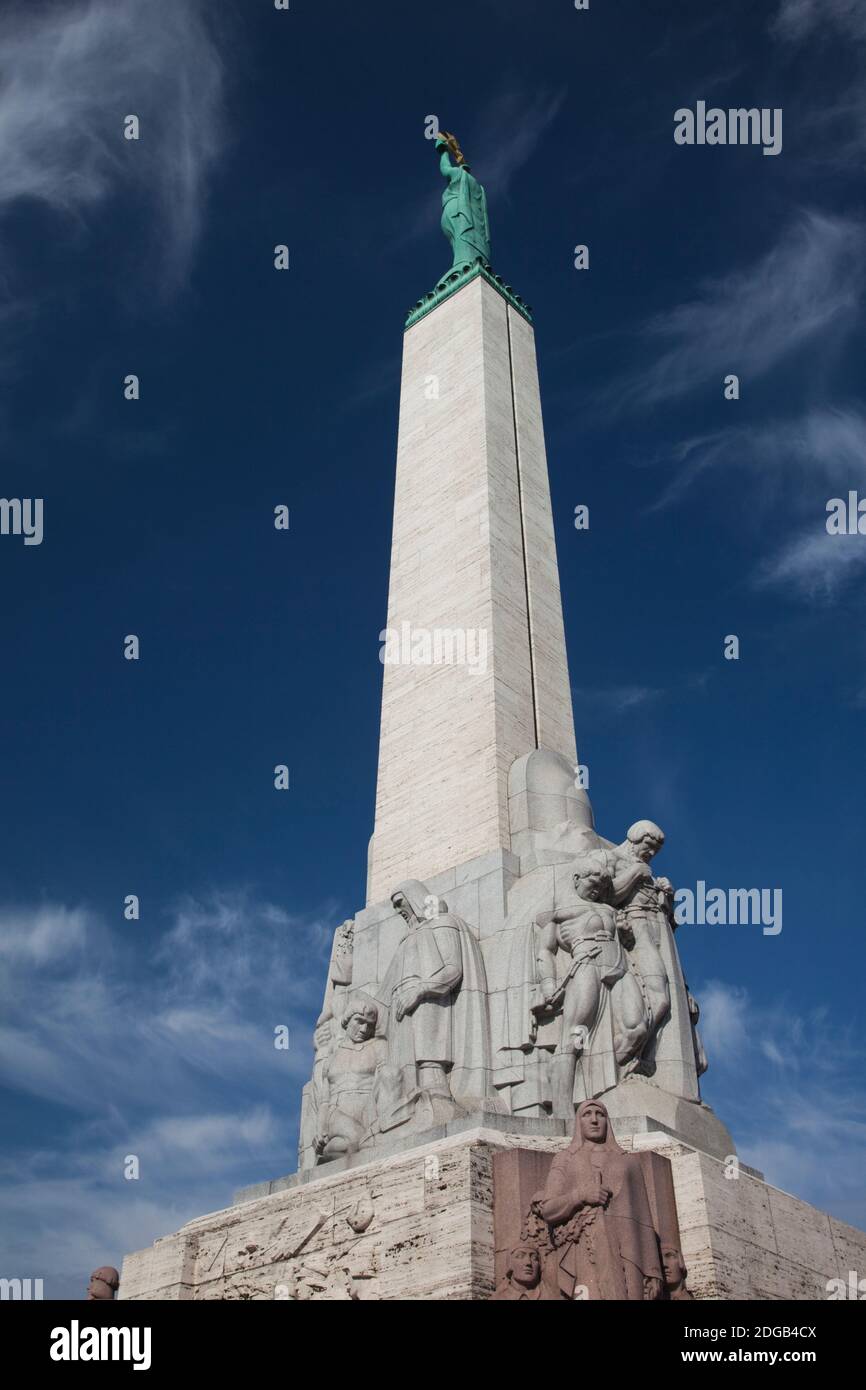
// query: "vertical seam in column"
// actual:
[[522, 528]]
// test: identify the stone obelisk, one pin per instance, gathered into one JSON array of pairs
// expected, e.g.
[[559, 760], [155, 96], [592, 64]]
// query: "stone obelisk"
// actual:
[[476, 674]]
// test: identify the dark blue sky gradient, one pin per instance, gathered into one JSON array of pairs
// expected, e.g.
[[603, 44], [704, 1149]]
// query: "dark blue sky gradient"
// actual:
[[259, 388]]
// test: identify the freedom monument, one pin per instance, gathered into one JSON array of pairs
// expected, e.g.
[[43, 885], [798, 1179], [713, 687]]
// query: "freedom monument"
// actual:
[[505, 1097]]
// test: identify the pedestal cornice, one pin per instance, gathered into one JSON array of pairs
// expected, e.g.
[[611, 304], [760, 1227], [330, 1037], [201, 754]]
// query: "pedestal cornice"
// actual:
[[455, 280]]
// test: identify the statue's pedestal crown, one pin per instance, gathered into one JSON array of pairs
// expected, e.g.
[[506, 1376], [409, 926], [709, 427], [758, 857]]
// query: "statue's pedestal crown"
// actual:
[[455, 279]]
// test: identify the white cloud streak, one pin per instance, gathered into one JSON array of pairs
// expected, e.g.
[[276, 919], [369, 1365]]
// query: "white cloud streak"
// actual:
[[838, 119], [807, 286], [814, 565], [145, 1049], [511, 128], [802, 1117], [69, 76], [792, 468], [824, 447], [798, 19]]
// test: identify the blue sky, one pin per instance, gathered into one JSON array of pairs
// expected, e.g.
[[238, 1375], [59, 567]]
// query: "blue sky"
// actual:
[[259, 647]]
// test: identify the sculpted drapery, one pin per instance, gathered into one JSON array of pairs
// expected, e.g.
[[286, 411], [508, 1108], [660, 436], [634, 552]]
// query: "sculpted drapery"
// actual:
[[604, 1243]]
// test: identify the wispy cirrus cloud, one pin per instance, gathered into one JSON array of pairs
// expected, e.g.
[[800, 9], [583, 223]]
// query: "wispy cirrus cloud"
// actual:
[[838, 118], [814, 565], [802, 1117], [798, 19], [806, 286], [619, 699], [524, 118], [161, 1049], [68, 1208], [71, 74], [785, 458], [202, 1000], [795, 465]]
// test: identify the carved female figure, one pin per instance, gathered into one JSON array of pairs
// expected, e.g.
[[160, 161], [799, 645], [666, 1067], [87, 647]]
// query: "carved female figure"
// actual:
[[597, 1205]]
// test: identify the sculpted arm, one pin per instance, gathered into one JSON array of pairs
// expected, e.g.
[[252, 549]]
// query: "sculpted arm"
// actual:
[[445, 165], [450, 973], [628, 875], [557, 1204], [545, 952], [561, 1200], [446, 168], [321, 1136]]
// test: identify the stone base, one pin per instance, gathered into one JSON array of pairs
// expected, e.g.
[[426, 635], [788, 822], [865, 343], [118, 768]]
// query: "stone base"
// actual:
[[419, 1225]]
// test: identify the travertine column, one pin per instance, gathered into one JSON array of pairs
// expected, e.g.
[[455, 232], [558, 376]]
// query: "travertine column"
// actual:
[[472, 554]]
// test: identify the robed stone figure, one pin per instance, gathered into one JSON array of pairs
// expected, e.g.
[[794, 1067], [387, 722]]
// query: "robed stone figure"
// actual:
[[435, 993], [596, 1203]]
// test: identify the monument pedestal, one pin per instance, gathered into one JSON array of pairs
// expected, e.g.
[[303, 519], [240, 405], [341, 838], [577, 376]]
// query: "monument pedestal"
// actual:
[[420, 1225]]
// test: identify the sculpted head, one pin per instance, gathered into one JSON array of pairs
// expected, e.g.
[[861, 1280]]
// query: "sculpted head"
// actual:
[[674, 1270], [103, 1284], [645, 839], [404, 908], [524, 1266], [592, 1122], [416, 904], [592, 878], [360, 1020]]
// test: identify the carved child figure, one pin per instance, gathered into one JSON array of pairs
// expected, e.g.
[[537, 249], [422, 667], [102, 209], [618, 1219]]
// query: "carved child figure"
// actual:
[[357, 1083]]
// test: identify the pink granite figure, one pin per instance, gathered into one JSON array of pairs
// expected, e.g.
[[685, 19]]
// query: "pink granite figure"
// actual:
[[675, 1274], [597, 1205], [522, 1277], [103, 1286]]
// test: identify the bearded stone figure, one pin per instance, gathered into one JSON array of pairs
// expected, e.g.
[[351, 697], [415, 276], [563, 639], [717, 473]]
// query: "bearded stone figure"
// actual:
[[605, 1246]]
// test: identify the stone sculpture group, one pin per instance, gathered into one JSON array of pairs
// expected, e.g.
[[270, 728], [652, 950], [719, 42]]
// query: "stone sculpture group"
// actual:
[[615, 993], [588, 991], [407, 1051]]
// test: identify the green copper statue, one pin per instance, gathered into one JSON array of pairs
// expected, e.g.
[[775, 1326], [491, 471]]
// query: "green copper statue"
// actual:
[[464, 222], [464, 206]]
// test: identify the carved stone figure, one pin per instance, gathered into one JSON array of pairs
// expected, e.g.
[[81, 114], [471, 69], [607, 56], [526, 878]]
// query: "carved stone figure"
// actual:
[[644, 903], [361, 1215], [522, 1277], [358, 1087], [464, 206], [675, 1274], [603, 1017], [339, 982], [435, 992], [701, 1062], [104, 1283], [596, 1202]]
